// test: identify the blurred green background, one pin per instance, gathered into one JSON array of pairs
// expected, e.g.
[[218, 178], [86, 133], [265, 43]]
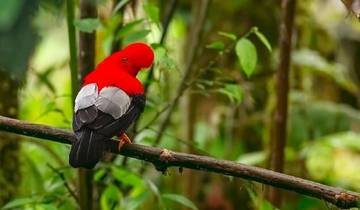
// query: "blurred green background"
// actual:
[[225, 111]]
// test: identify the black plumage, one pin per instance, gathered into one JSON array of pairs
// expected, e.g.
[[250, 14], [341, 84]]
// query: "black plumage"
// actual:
[[92, 126]]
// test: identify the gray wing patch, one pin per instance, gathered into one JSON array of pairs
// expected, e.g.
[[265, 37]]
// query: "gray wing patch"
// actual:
[[110, 100], [113, 101], [86, 97]]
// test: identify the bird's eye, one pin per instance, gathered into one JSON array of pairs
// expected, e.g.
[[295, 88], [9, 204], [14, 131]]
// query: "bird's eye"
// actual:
[[124, 60]]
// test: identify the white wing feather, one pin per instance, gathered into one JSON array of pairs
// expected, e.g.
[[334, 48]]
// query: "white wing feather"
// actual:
[[110, 100], [113, 101], [86, 96]]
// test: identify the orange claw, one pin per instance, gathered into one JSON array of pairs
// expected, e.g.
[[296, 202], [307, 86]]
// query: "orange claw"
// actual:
[[124, 139]]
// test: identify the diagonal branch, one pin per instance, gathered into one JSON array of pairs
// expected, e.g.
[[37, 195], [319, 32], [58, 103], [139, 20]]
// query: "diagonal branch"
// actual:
[[163, 159]]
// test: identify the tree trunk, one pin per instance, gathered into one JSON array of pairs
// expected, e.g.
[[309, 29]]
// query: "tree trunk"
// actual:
[[86, 64], [10, 175], [279, 130]]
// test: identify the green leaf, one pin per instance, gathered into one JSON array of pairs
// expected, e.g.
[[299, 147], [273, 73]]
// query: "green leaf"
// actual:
[[233, 92], [18, 203], [126, 177], [87, 24], [136, 36], [152, 12], [228, 35], [99, 174], [162, 60], [180, 199], [218, 45], [119, 5], [128, 28], [246, 52], [110, 198], [262, 38]]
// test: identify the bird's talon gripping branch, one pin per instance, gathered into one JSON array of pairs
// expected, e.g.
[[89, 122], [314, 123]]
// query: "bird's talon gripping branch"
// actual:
[[123, 139]]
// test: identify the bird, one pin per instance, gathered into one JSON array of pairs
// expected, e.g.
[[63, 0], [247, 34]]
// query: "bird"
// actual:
[[110, 100]]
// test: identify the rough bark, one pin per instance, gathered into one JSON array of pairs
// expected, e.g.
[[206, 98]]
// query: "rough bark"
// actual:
[[163, 159], [279, 130]]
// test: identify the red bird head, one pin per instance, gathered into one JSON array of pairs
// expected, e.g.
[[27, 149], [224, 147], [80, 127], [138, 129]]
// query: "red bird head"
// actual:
[[136, 57], [120, 69]]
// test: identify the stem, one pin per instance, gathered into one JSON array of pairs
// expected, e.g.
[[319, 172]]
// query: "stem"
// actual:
[[163, 159], [70, 13]]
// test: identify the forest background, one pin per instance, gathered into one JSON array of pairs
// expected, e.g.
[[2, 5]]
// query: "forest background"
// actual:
[[226, 83]]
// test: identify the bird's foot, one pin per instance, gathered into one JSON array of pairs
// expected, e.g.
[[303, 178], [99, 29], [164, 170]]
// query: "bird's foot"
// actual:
[[124, 139]]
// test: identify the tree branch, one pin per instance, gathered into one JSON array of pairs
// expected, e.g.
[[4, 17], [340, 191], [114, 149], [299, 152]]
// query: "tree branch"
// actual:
[[163, 159]]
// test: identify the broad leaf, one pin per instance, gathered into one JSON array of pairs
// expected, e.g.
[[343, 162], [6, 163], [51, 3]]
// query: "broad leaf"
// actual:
[[126, 177], [136, 36], [246, 52], [128, 28]]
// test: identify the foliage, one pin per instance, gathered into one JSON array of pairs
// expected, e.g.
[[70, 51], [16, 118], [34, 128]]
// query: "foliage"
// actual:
[[233, 91]]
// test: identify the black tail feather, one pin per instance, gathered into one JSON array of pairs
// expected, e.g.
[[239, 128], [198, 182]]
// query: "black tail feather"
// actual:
[[87, 150]]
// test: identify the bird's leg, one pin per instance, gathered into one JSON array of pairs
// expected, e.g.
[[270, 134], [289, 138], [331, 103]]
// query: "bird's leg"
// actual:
[[124, 139]]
